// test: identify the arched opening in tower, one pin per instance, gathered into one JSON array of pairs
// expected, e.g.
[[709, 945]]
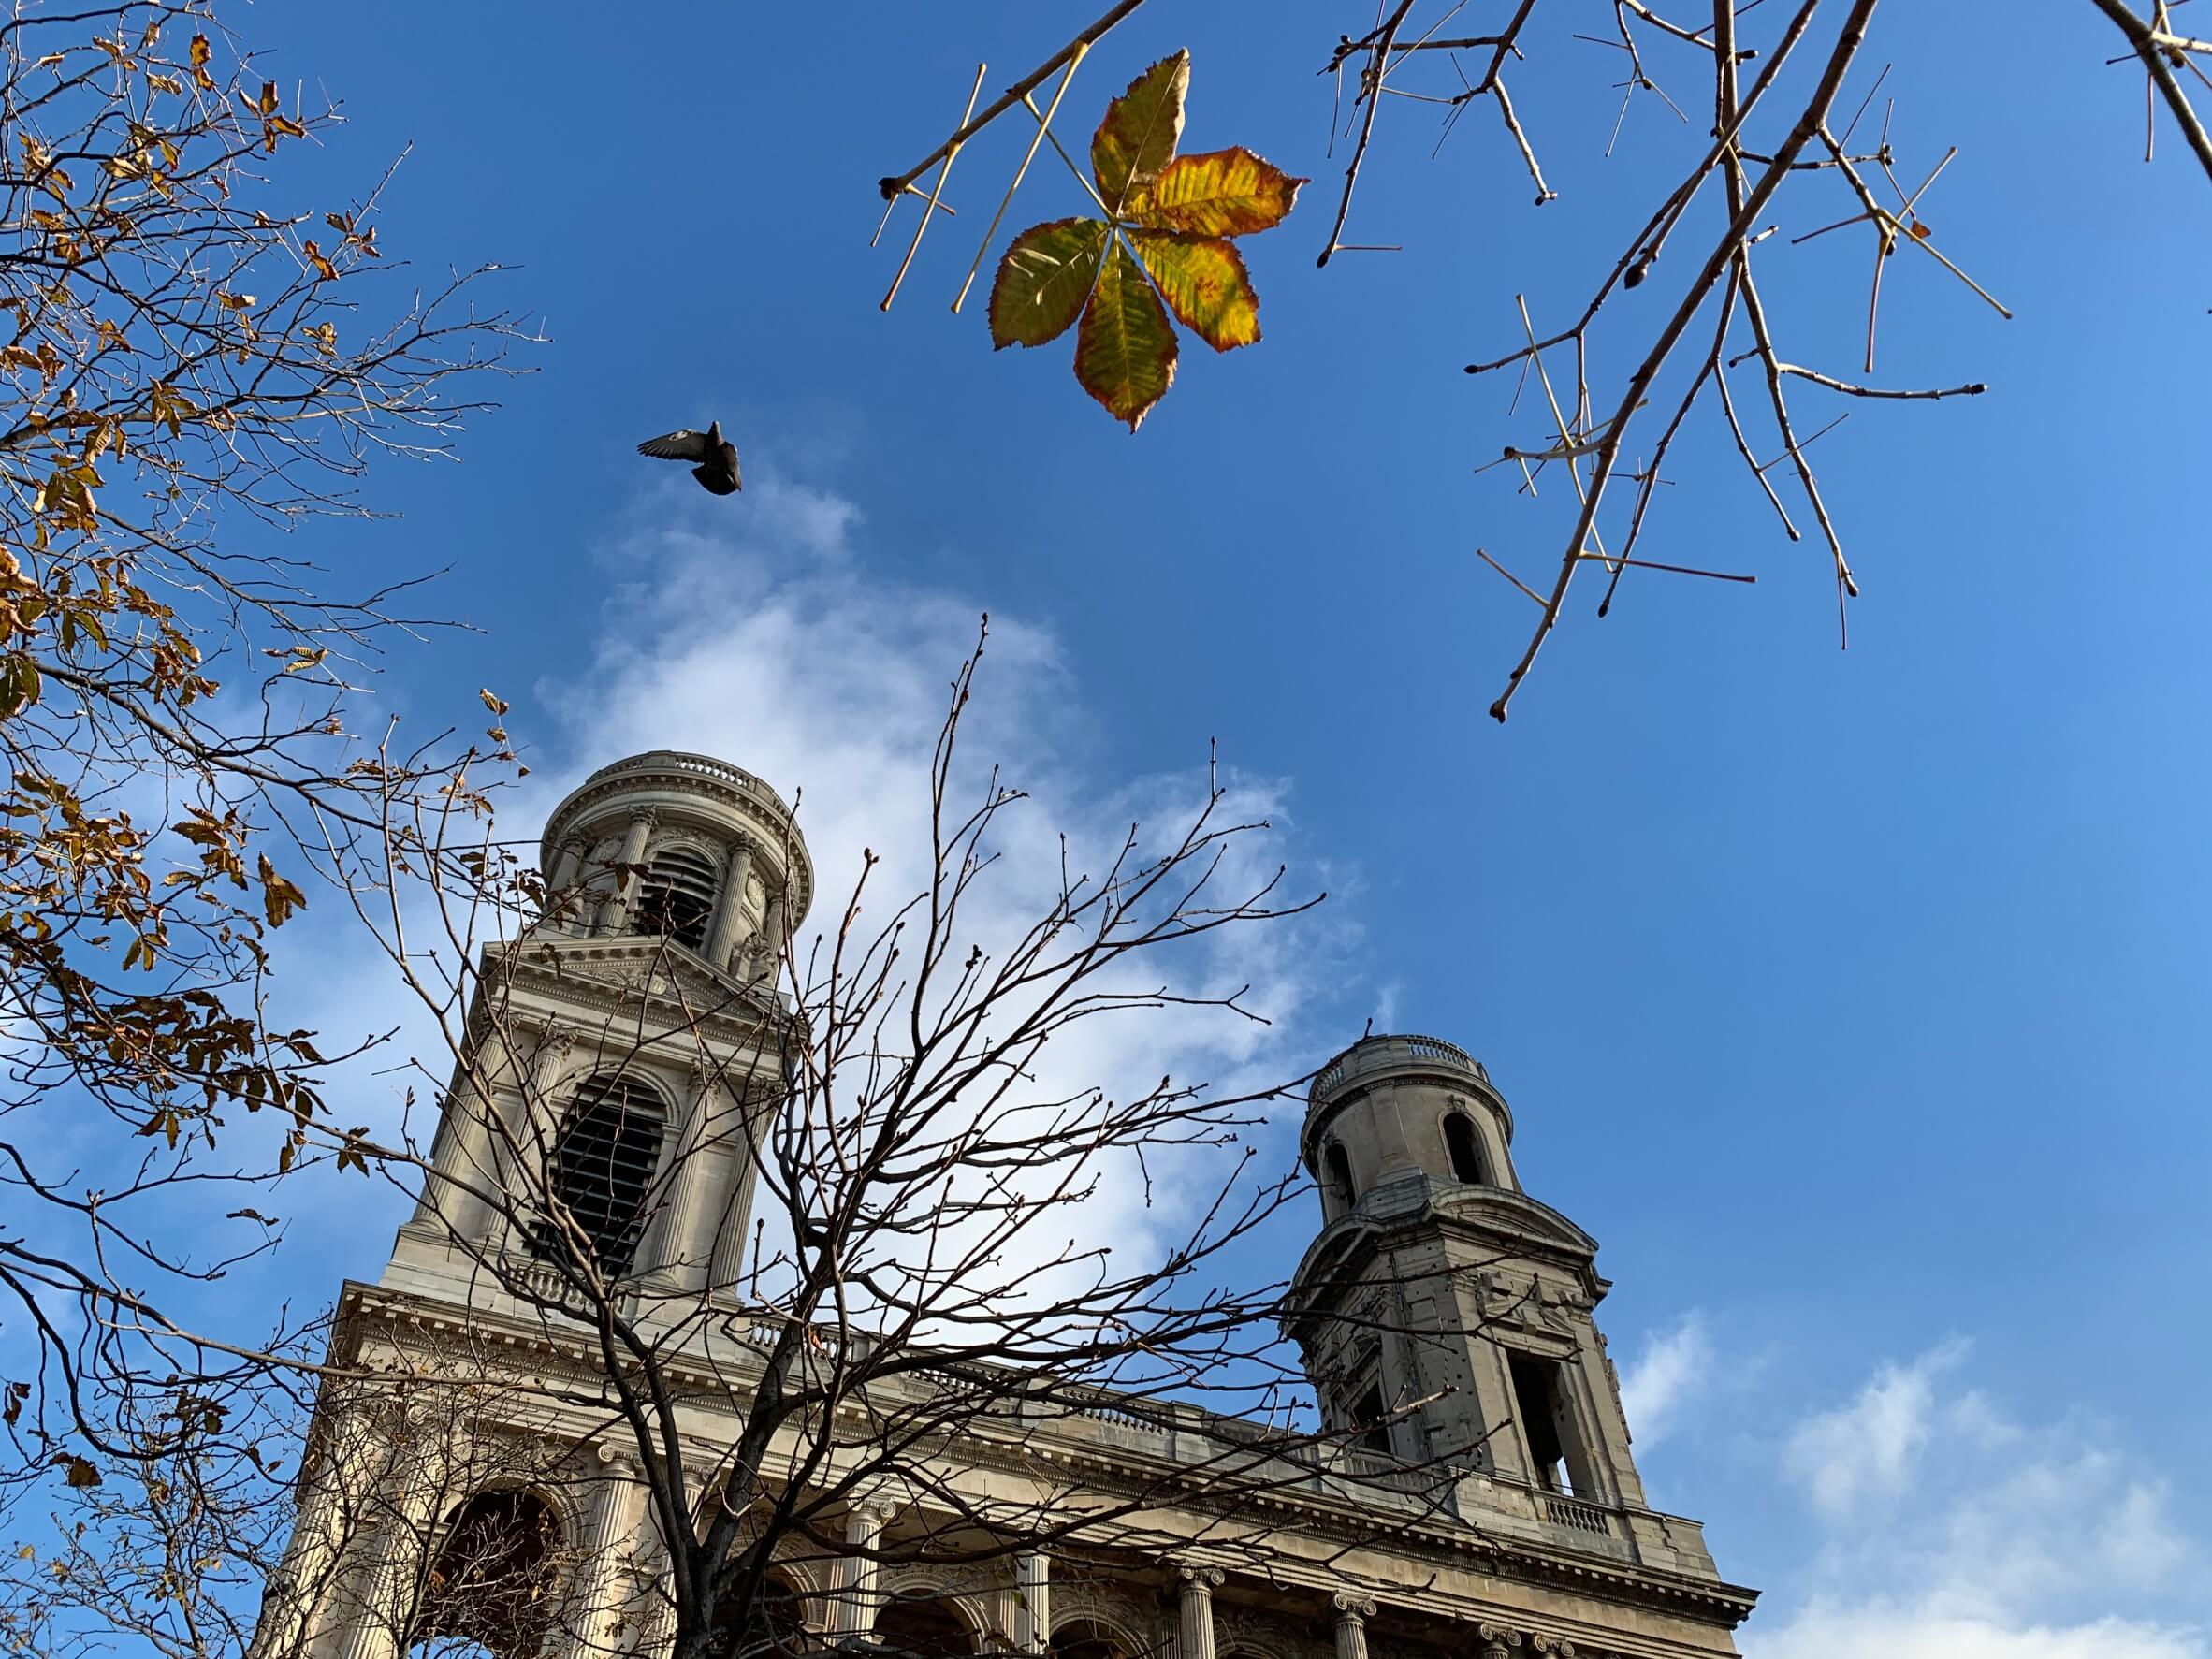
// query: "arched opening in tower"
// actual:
[[602, 1166], [1466, 1151], [1340, 1177], [490, 1588], [676, 900]]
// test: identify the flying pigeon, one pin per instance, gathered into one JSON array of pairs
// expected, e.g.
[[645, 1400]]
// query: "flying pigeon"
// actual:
[[716, 456]]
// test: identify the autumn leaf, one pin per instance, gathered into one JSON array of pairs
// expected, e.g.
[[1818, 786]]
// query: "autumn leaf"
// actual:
[[1228, 192], [1124, 352], [1165, 242], [79, 1472], [1143, 127], [280, 897], [1205, 284], [1044, 280]]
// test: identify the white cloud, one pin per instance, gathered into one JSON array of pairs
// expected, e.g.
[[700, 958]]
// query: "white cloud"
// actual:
[[1950, 1528], [1828, 1630], [749, 633], [1673, 1368], [1865, 1450]]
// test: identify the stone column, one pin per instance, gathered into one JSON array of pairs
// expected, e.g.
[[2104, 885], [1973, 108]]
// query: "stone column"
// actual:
[[293, 1601], [523, 1166], [1194, 1633], [726, 1271], [1497, 1641], [854, 1602], [565, 877], [611, 1516], [679, 1254], [723, 937], [374, 1619], [615, 915], [1353, 1610], [1033, 1603], [460, 1157]]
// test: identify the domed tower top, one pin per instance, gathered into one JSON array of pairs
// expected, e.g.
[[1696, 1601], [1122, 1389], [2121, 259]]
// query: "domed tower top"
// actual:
[[1389, 1109], [682, 846]]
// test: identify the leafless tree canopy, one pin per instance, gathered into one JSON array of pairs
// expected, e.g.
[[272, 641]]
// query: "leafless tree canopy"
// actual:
[[1768, 100]]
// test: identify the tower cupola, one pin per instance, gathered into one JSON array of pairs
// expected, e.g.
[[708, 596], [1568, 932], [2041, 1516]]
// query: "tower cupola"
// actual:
[[681, 846], [1392, 1110]]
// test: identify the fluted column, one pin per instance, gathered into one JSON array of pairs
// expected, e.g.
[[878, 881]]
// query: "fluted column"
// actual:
[[728, 916], [611, 1516], [615, 916], [564, 881], [1352, 1613], [734, 1207], [461, 1158], [679, 1252], [1033, 1601], [292, 1603], [854, 1606], [1194, 1633], [378, 1615]]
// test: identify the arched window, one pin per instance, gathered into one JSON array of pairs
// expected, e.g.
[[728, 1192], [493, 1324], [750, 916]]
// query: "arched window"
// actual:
[[1340, 1177], [675, 898], [490, 1584], [922, 1627], [1087, 1639], [603, 1164], [1460, 1140], [775, 1627]]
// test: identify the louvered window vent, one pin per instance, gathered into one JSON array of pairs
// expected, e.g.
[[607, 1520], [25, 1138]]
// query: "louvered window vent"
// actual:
[[603, 1167], [677, 897]]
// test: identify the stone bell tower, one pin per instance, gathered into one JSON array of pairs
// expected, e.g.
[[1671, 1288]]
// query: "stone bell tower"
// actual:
[[620, 1057], [616, 1040], [1446, 1315]]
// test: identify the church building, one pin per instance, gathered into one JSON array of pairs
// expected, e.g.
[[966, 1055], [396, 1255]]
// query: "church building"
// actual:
[[1471, 1493]]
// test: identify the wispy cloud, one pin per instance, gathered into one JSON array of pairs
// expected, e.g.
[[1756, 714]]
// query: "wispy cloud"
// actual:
[[1672, 1371], [1951, 1529]]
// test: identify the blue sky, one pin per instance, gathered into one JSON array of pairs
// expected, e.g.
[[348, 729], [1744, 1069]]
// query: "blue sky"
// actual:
[[1854, 1001]]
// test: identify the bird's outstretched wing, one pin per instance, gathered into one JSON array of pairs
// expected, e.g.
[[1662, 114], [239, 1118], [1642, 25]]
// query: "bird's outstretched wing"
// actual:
[[682, 444]]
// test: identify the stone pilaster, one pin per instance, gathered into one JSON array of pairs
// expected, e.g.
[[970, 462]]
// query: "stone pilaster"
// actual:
[[768, 948], [723, 937], [615, 917]]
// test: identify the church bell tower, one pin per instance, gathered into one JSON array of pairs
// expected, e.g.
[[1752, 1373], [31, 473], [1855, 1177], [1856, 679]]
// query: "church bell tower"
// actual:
[[1444, 1316]]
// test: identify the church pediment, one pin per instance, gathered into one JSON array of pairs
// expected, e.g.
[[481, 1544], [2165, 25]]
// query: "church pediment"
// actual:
[[1514, 1217], [623, 971]]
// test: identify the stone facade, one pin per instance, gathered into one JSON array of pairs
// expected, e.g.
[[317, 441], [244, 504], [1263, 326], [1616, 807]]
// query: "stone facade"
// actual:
[[1482, 1497]]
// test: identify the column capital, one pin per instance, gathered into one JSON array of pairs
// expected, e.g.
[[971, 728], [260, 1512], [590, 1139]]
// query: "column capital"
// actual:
[[1497, 1639], [1351, 1604], [873, 1507], [1199, 1576]]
